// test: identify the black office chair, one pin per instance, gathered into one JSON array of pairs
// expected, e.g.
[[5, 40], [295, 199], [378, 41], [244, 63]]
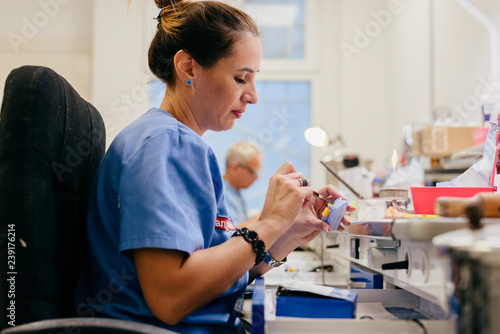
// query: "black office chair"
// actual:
[[51, 144]]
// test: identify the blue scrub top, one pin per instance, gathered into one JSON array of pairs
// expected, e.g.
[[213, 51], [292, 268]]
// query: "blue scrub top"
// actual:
[[159, 185]]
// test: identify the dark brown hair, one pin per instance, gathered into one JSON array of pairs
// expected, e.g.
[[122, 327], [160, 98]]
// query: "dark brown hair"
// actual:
[[206, 30]]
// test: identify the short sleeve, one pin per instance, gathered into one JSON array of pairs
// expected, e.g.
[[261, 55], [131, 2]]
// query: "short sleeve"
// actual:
[[167, 196]]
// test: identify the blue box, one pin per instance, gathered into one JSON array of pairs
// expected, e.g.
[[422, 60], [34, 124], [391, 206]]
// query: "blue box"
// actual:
[[314, 301], [365, 278]]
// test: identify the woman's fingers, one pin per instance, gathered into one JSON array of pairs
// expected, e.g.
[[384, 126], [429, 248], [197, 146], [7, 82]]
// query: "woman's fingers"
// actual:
[[286, 195], [332, 193], [286, 168]]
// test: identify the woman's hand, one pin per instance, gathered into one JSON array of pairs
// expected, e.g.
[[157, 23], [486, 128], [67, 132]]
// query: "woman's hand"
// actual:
[[316, 207], [308, 224], [285, 196]]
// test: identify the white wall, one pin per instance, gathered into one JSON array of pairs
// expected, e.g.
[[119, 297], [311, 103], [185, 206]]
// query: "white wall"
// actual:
[[462, 55], [53, 33], [100, 47], [120, 73], [430, 54], [384, 83]]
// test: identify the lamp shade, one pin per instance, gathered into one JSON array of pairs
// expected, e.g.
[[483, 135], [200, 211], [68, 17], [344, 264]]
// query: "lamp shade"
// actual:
[[316, 136]]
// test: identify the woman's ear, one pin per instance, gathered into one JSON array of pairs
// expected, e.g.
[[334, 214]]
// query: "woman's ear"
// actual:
[[184, 63]]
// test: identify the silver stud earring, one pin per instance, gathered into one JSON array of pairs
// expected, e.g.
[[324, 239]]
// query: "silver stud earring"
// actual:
[[188, 82]]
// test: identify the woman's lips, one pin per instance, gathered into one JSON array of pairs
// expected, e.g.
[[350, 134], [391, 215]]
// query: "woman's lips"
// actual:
[[238, 113]]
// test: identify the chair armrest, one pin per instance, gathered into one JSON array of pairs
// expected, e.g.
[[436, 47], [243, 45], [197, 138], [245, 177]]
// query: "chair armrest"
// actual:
[[86, 326]]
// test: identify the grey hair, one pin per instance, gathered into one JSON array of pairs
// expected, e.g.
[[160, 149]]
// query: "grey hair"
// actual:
[[241, 153]]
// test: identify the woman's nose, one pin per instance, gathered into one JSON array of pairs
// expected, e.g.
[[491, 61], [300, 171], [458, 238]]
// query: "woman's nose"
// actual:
[[250, 96]]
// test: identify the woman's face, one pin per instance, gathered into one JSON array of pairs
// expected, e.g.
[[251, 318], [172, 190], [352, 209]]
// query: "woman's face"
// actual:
[[223, 91]]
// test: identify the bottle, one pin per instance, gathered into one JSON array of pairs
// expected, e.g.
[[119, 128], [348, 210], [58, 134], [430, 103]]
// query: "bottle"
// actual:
[[490, 104], [488, 204], [487, 109]]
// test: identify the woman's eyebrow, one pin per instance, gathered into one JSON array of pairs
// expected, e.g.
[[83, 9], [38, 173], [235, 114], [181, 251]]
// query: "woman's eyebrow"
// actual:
[[247, 69]]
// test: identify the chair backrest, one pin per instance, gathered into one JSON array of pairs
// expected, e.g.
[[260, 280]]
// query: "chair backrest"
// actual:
[[51, 144]]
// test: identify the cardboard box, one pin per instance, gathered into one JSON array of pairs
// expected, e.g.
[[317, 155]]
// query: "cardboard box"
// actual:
[[442, 141]]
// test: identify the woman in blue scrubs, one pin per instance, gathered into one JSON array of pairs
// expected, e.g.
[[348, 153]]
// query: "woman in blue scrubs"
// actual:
[[162, 248]]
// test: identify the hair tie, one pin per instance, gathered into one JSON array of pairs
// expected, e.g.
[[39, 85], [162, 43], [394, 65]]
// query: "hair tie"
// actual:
[[158, 17]]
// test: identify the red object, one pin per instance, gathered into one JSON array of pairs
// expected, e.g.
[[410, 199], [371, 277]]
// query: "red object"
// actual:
[[424, 197], [479, 135], [494, 172]]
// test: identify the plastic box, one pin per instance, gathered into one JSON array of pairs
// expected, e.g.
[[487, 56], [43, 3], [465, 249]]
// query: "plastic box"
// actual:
[[306, 300], [424, 197], [310, 306]]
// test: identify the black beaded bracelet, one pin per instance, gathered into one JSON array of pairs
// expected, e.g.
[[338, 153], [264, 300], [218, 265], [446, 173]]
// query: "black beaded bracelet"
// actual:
[[259, 247]]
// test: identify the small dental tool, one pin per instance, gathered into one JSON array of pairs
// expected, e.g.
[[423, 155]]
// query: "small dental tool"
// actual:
[[315, 194], [358, 195]]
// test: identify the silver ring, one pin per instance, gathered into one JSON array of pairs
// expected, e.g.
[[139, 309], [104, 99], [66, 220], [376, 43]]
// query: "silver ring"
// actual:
[[303, 182]]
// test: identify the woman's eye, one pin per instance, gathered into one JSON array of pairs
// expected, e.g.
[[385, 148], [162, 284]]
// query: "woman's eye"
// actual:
[[241, 81]]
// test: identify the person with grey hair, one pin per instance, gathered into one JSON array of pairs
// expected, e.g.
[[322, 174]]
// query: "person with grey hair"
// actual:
[[242, 169]]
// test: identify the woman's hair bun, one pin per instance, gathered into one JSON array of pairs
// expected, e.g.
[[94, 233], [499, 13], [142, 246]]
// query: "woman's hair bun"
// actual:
[[204, 30], [165, 3]]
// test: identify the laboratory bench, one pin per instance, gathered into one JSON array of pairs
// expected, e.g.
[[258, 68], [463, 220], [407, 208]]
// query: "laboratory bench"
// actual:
[[399, 276]]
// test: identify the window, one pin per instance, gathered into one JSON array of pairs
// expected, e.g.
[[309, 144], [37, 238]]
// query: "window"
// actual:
[[281, 23]]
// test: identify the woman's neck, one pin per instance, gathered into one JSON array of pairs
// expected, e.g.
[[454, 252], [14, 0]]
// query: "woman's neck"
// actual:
[[180, 110]]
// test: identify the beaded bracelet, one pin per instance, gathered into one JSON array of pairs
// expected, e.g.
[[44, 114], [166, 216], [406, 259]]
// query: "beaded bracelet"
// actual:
[[259, 247]]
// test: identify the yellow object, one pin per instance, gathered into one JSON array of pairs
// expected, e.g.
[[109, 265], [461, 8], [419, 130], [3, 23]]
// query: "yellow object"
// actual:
[[326, 212]]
